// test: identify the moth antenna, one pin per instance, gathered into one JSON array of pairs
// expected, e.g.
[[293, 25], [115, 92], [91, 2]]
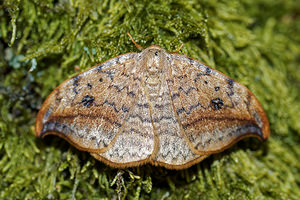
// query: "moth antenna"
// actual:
[[136, 44], [178, 48]]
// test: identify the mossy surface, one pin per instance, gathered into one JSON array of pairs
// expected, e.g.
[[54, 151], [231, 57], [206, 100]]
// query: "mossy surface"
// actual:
[[45, 42]]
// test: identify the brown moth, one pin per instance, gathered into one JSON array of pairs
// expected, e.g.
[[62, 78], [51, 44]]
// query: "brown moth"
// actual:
[[152, 107]]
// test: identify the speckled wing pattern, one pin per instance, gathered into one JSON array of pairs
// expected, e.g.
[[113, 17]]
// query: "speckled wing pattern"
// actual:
[[152, 107]]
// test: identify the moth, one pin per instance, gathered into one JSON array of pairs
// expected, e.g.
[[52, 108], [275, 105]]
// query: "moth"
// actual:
[[152, 107]]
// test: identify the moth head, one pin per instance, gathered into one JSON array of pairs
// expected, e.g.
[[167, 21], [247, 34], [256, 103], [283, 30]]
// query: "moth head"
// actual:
[[154, 58]]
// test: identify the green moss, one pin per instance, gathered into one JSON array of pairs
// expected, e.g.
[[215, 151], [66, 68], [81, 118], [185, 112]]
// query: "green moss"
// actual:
[[255, 42]]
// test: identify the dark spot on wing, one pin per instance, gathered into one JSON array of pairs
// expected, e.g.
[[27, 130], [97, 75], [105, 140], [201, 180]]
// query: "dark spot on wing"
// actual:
[[87, 100], [205, 82], [75, 84], [230, 87], [217, 88], [93, 138], [117, 60], [100, 79], [208, 70], [125, 109], [89, 86], [99, 67], [146, 105], [191, 61], [217, 103], [230, 81], [131, 93]]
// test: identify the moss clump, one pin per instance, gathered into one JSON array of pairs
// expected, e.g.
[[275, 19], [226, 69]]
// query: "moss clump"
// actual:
[[255, 42]]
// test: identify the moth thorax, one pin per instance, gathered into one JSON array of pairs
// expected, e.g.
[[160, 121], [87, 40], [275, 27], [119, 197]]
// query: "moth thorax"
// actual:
[[154, 68]]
